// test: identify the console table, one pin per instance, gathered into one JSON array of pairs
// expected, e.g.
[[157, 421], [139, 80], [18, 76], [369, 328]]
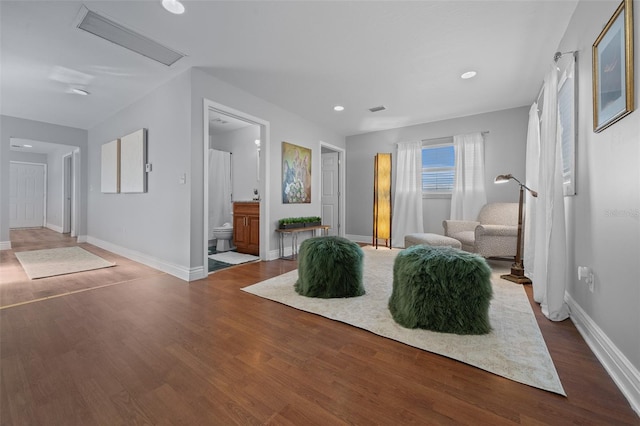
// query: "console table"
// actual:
[[293, 232]]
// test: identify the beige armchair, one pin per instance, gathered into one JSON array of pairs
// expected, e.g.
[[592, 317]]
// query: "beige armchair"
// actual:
[[494, 234]]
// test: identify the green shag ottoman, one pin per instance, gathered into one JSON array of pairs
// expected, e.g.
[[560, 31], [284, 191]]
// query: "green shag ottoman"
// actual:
[[329, 267], [441, 289]]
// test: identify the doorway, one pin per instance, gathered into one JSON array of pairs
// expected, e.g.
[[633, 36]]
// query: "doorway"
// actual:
[[212, 109], [332, 188]]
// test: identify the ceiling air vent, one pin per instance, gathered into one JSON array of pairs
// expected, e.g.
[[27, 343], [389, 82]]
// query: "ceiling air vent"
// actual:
[[109, 30], [378, 108]]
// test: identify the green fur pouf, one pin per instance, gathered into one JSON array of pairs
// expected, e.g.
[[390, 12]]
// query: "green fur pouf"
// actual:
[[441, 289], [329, 267]]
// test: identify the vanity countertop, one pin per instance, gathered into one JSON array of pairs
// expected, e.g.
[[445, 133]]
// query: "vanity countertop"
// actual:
[[247, 202]]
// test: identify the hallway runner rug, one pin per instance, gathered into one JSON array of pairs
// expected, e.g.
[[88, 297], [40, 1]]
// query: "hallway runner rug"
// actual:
[[59, 261], [514, 348]]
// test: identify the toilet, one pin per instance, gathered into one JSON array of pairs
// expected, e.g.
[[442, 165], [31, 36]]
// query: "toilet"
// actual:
[[223, 234]]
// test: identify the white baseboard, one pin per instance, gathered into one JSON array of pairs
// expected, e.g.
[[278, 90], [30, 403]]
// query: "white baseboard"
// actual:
[[5, 245], [182, 272], [53, 227], [623, 373], [81, 238]]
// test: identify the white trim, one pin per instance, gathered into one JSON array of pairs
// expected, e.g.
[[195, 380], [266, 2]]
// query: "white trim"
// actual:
[[342, 159], [76, 213], [55, 228], [82, 239], [68, 155], [5, 245], [623, 373], [183, 272], [265, 132]]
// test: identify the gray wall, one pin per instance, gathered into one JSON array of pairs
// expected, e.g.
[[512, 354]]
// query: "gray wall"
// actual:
[[27, 157], [604, 216], [504, 153], [153, 225], [45, 132]]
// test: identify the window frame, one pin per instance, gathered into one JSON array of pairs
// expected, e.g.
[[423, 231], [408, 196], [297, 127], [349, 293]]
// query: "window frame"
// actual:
[[432, 144]]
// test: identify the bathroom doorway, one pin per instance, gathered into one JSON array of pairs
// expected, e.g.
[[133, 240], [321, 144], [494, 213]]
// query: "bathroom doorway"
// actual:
[[235, 169]]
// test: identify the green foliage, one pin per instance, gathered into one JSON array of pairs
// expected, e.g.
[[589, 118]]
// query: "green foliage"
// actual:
[[290, 220], [329, 267], [441, 289]]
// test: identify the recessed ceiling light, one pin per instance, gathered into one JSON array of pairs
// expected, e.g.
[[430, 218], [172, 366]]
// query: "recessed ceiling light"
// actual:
[[79, 92], [173, 6], [468, 74], [338, 108]]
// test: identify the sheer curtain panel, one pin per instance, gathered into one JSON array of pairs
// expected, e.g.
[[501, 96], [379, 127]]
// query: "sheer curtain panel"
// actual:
[[550, 259], [531, 180], [469, 193], [407, 205]]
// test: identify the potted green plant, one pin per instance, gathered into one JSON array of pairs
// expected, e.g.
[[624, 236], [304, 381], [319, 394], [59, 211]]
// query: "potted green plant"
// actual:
[[312, 221], [291, 222]]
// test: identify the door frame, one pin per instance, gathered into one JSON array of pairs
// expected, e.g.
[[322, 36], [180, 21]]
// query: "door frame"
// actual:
[[73, 214], [341, 183], [67, 189], [265, 237]]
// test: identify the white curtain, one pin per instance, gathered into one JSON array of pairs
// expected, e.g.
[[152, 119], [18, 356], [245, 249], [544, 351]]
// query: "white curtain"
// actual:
[[550, 258], [469, 193], [531, 180], [219, 189], [407, 205]]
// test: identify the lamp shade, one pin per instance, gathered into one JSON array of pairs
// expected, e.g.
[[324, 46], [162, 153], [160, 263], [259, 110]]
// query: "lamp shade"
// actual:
[[502, 178]]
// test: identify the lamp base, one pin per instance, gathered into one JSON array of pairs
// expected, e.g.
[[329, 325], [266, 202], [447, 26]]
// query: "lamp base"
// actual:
[[517, 274], [519, 279]]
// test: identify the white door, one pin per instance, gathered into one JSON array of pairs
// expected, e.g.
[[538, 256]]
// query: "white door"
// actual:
[[331, 192], [26, 195]]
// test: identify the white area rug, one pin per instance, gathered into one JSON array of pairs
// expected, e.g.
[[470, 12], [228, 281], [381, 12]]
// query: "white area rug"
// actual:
[[233, 257], [514, 349], [59, 261]]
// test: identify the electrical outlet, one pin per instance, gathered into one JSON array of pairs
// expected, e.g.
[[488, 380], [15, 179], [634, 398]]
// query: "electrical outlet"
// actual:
[[586, 273]]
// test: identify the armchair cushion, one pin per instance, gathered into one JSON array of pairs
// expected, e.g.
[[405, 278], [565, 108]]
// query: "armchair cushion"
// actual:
[[494, 234]]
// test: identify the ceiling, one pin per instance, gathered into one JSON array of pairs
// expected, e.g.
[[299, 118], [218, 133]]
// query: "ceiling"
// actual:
[[304, 56]]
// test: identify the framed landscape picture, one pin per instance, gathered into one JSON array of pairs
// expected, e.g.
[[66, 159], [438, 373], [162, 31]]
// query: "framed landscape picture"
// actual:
[[613, 88], [296, 174]]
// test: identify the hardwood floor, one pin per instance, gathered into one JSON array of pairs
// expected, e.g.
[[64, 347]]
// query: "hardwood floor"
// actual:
[[156, 350]]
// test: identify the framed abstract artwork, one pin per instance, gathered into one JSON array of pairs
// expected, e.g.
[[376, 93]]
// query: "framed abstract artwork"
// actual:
[[613, 86], [133, 158], [296, 174]]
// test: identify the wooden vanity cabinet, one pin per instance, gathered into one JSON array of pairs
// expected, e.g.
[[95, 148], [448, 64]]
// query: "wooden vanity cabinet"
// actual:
[[246, 227]]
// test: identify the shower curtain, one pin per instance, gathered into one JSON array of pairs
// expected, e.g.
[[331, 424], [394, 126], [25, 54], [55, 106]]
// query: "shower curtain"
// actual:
[[219, 189]]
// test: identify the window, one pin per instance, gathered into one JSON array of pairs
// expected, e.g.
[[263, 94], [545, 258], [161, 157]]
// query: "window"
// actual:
[[438, 171]]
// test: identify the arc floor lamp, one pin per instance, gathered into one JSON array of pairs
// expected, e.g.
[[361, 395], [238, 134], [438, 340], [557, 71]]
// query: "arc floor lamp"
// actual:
[[382, 199], [517, 269]]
